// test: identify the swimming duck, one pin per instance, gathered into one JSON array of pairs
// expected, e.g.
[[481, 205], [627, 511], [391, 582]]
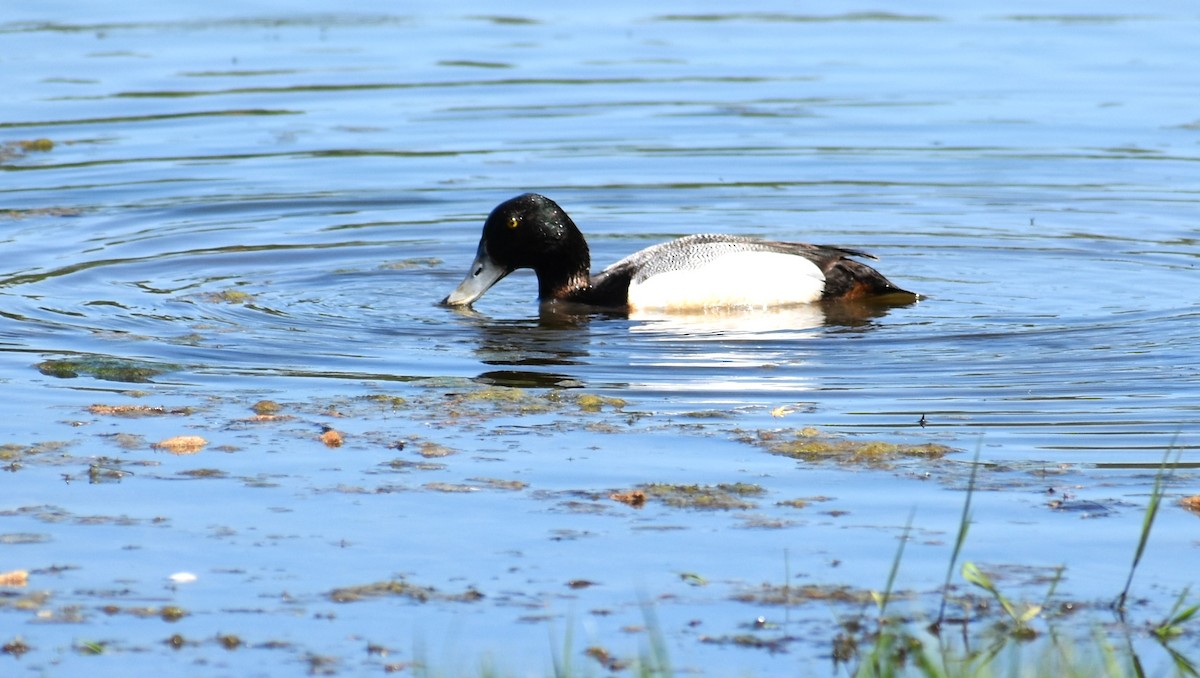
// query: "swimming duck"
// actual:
[[689, 273]]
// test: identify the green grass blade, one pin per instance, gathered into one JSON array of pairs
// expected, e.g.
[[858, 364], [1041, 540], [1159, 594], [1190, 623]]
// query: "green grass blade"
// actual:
[[1156, 494], [964, 525], [882, 600]]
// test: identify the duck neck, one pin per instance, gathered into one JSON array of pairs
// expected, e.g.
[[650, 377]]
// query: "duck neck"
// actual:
[[567, 272], [562, 282]]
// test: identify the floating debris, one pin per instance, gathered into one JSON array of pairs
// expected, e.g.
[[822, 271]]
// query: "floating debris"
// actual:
[[594, 403], [400, 588], [204, 473], [606, 659], [14, 578], [230, 296], [266, 407], [450, 487], [1191, 503], [500, 484], [415, 262], [635, 498], [785, 410], [138, 410], [433, 450], [10, 150], [331, 437], [390, 401], [749, 640], [15, 452], [724, 496], [775, 594], [16, 647], [181, 444], [41, 212]]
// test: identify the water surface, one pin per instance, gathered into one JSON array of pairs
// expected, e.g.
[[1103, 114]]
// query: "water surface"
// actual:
[[250, 204]]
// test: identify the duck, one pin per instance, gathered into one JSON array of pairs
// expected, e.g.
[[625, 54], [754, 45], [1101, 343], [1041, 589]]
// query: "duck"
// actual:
[[692, 273]]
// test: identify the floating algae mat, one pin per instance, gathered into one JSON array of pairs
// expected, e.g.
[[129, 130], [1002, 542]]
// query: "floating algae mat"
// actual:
[[106, 369], [811, 444]]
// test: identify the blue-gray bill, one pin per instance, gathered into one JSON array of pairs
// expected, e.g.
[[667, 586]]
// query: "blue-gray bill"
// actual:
[[483, 274]]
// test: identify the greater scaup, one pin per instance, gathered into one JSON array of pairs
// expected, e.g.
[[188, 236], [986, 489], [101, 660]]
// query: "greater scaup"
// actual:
[[694, 272]]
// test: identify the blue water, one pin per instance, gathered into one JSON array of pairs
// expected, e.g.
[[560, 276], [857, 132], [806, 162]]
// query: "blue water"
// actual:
[[267, 203]]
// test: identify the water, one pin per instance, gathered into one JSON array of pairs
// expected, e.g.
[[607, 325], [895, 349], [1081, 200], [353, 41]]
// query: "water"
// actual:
[[266, 204]]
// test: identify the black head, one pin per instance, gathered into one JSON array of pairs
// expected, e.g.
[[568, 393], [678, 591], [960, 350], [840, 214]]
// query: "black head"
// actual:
[[532, 231], [528, 231]]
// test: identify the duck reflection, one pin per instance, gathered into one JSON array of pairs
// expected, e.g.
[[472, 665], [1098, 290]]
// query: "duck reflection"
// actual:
[[551, 340], [568, 346]]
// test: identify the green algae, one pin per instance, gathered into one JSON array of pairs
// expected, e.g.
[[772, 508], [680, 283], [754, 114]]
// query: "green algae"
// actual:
[[135, 411], [594, 403], [16, 452], [785, 594], [105, 369], [811, 444], [204, 473], [500, 483], [387, 401], [724, 496], [230, 296], [409, 465], [266, 407], [507, 398], [409, 264], [751, 641], [168, 613], [431, 450], [12, 150], [511, 400], [402, 589], [40, 212], [451, 488]]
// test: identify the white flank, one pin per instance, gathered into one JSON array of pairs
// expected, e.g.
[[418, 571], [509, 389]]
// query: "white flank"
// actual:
[[760, 279]]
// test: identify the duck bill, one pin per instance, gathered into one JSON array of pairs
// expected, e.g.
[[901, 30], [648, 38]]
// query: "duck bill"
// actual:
[[484, 273]]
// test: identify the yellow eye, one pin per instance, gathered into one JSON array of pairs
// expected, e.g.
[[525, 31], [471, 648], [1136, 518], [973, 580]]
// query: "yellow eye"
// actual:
[[513, 222]]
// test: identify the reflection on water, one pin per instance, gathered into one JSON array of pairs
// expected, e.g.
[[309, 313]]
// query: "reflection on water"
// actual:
[[718, 351], [782, 324]]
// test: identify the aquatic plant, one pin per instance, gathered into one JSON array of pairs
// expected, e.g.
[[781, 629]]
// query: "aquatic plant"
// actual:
[[1156, 494], [901, 648]]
